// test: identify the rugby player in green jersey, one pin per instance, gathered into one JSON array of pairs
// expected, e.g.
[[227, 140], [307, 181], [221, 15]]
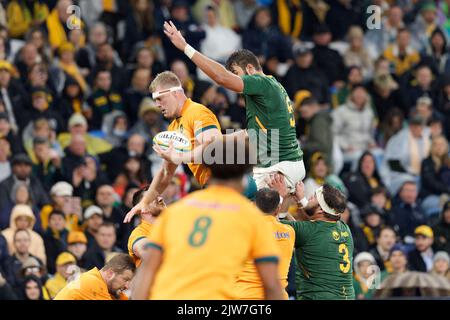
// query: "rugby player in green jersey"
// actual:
[[269, 111], [323, 245]]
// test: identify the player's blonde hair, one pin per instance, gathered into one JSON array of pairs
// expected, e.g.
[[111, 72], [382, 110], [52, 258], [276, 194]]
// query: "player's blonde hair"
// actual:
[[164, 80]]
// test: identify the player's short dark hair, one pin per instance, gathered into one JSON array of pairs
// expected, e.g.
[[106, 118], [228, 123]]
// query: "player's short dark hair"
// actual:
[[334, 199], [226, 167], [138, 195], [242, 58], [267, 200], [120, 263]]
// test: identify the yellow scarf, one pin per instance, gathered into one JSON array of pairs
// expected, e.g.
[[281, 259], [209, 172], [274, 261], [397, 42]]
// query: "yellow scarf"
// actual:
[[73, 71], [57, 34], [415, 156], [284, 18]]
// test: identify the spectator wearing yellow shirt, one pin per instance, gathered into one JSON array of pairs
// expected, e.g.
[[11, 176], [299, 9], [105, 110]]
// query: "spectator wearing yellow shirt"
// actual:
[[108, 283], [65, 264], [22, 15], [402, 55]]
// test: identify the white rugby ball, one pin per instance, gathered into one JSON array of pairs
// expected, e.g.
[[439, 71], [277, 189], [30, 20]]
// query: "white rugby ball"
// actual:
[[180, 142]]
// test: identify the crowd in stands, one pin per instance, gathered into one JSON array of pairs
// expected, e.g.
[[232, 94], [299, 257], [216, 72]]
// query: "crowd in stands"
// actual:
[[372, 113]]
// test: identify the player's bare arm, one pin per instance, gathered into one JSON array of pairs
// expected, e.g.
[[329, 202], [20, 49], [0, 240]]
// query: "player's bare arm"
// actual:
[[143, 280], [268, 271], [158, 185], [214, 70]]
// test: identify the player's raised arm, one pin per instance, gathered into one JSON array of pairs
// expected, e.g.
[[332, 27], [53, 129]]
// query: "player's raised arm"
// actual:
[[214, 70]]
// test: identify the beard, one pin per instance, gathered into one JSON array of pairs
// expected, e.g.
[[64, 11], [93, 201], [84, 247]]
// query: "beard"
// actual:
[[310, 210]]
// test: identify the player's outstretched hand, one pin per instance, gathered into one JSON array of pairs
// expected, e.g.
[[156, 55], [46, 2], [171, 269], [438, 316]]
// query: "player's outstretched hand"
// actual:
[[299, 190], [277, 182], [170, 154], [134, 211], [174, 35]]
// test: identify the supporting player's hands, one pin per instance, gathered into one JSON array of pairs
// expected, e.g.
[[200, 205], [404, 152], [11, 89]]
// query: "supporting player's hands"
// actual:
[[174, 35], [170, 154], [148, 211], [299, 190], [277, 182]]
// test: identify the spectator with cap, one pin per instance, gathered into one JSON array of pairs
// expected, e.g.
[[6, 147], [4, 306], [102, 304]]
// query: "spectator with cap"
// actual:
[[426, 22], [65, 267], [13, 265], [264, 39], [441, 265], [435, 176], [398, 259], [23, 218], [21, 173], [401, 54], [5, 154], [93, 219], [7, 132], [385, 240], [421, 257], [48, 166], [441, 230], [78, 126], [150, 121], [77, 245], [353, 126], [304, 75], [318, 137], [328, 60], [104, 247], [13, 97], [103, 99], [405, 152], [406, 213], [55, 238], [364, 270]]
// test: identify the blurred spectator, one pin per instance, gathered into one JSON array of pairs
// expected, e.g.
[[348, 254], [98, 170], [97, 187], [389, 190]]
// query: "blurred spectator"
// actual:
[[441, 230], [48, 166], [77, 245], [40, 129], [71, 100], [144, 57], [22, 218], [191, 31], [23, 14], [93, 219], [139, 24], [38, 38], [288, 14], [5, 153], [401, 54], [13, 265], [216, 35], [354, 78], [42, 108], [436, 54], [13, 97], [103, 99], [359, 239], [342, 15], [6, 133], [441, 263], [328, 60], [318, 136], [136, 92], [55, 238], [65, 267], [27, 56], [78, 126], [150, 121], [362, 277], [105, 199], [405, 152], [444, 103], [32, 288], [188, 83], [353, 126], [56, 22], [319, 174], [225, 11], [398, 259], [68, 65], [115, 128], [264, 39], [373, 222], [406, 214], [392, 123], [426, 22], [21, 173], [244, 11], [40, 75], [444, 15], [421, 258], [6, 292], [103, 249], [303, 75], [364, 180], [421, 85], [435, 176], [385, 241], [357, 54]]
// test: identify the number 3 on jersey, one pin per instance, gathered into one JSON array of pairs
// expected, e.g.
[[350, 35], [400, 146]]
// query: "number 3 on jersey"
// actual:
[[291, 112], [198, 235], [344, 266]]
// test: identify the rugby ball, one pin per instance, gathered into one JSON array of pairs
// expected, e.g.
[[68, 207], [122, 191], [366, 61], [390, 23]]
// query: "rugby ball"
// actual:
[[180, 142]]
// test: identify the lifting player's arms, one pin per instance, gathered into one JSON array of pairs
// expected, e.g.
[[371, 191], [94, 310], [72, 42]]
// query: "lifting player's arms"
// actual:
[[269, 110]]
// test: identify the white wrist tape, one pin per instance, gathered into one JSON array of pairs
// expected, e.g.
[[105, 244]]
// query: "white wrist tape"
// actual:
[[303, 202], [189, 51]]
